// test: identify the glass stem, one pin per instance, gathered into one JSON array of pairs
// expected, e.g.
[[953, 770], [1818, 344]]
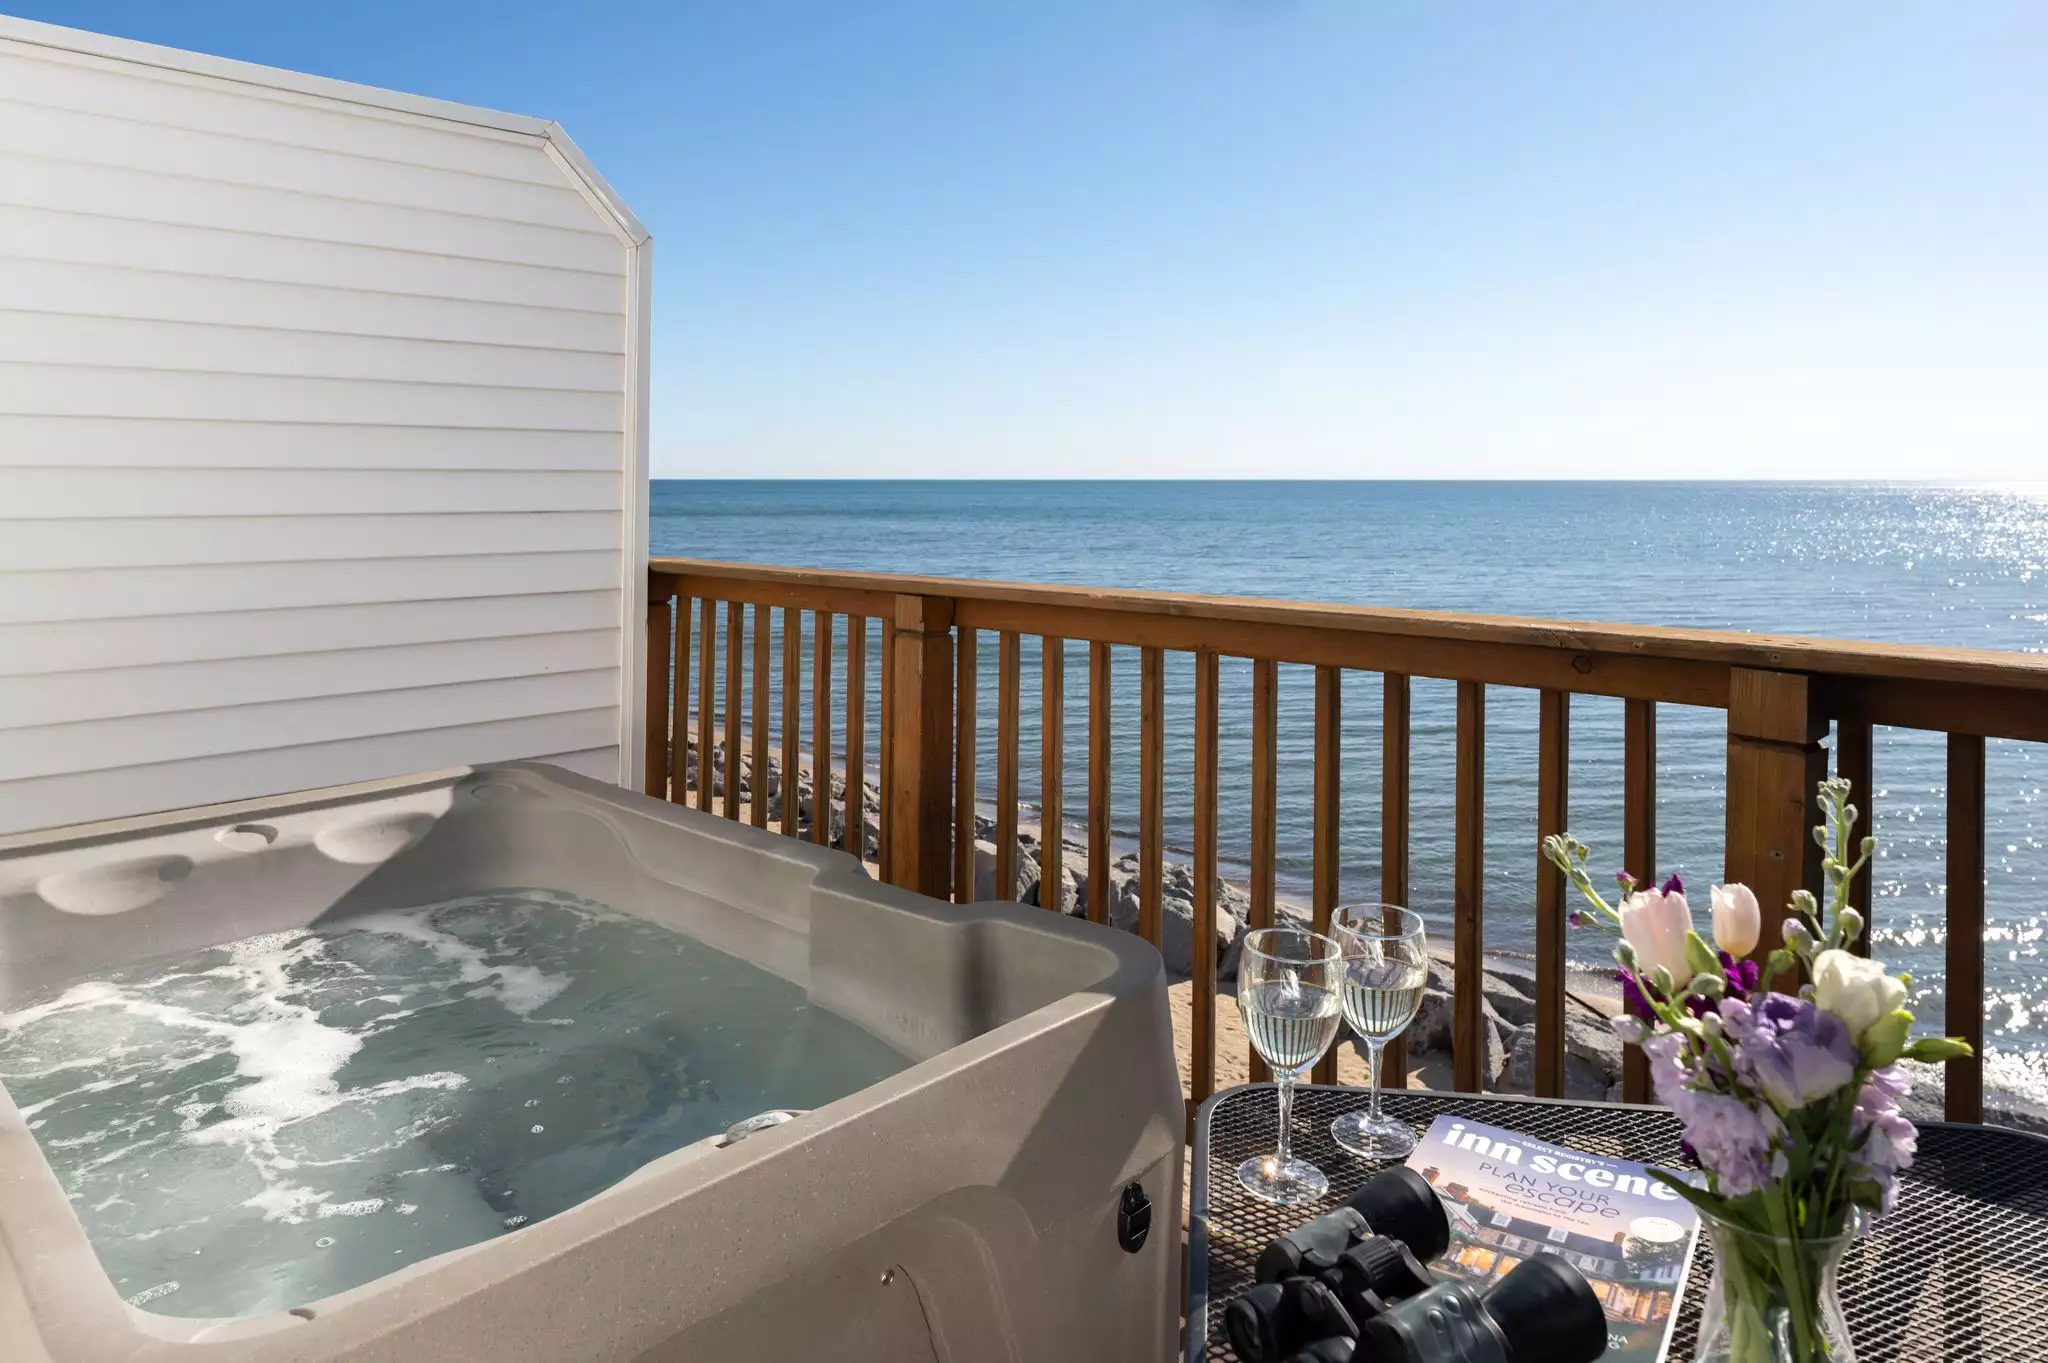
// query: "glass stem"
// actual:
[[1285, 1083], [1372, 1112]]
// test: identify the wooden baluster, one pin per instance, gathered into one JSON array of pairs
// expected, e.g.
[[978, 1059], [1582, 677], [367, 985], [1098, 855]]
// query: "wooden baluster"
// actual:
[[857, 736], [1151, 794], [1775, 760], [821, 728], [757, 804], [792, 699], [678, 715], [887, 749], [1553, 785], [707, 700], [1853, 761], [1638, 846], [735, 651], [1468, 1017], [1202, 1001], [1963, 1099], [655, 722], [1052, 735], [1394, 837], [921, 746], [1009, 697], [1326, 852], [1265, 806], [1098, 782], [967, 693]]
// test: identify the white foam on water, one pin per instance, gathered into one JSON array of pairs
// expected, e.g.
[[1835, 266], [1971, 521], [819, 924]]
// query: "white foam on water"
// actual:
[[303, 1108]]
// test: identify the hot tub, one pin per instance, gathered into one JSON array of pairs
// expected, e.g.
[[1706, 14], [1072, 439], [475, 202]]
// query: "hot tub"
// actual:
[[981, 1199]]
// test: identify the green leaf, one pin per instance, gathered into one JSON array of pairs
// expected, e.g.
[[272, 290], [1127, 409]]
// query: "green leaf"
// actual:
[[1700, 956], [1936, 1048], [1711, 1203]]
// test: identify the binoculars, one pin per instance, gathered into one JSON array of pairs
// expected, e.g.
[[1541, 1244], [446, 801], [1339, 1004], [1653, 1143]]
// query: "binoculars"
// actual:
[[1350, 1287]]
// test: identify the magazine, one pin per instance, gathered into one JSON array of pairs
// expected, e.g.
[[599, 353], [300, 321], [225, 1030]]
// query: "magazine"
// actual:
[[1510, 1196]]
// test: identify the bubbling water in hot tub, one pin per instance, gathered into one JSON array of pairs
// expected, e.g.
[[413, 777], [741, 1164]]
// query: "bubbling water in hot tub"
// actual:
[[260, 1124]]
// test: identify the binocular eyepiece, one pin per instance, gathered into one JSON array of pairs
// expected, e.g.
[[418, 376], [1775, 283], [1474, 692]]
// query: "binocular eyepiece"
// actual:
[[1398, 1203], [1350, 1287]]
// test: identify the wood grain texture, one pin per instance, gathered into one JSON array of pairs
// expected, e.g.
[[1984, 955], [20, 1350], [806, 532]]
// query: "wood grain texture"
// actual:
[[1009, 704], [792, 714], [757, 805], [1468, 1043], [1112, 615], [884, 739], [707, 700], [857, 735], [1098, 782], [1638, 846], [1326, 846], [1770, 784], [821, 729], [1052, 772], [1394, 751], [735, 654], [1854, 752], [680, 741], [967, 694], [1963, 1095], [1202, 1007], [1151, 794], [921, 771], [1265, 807], [1553, 816], [654, 739]]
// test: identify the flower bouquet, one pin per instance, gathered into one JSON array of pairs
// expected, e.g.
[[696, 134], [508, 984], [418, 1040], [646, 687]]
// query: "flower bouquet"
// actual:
[[1789, 1102]]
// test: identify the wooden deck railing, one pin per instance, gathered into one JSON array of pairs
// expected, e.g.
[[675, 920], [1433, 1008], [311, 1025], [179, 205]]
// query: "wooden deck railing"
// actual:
[[1781, 696]]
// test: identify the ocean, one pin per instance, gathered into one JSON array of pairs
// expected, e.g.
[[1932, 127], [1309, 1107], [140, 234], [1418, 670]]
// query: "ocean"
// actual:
[[1964, 566]]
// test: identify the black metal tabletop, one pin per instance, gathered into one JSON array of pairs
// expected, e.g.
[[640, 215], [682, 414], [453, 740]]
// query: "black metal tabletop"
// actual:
[[1958, 1271]]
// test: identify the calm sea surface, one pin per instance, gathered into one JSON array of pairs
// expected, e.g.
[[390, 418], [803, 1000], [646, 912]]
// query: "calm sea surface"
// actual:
[[1964, 566]]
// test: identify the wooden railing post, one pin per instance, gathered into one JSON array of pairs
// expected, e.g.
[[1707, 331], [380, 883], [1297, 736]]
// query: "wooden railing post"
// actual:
[[920, 725], [1775, 760]]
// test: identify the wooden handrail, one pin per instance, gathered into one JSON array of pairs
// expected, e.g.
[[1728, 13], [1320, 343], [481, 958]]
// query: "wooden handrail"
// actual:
[[1780, 693]]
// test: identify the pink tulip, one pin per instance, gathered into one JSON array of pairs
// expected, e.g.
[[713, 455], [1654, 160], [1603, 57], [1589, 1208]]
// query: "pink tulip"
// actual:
[[1737, 920], [1656, 925]]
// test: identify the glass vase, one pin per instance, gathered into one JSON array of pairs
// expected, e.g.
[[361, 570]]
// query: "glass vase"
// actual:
[[1774, 1300]]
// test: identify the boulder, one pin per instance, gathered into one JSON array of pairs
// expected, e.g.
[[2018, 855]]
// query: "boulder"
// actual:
[[1582, 1078], [985, 871], [1176, 913]]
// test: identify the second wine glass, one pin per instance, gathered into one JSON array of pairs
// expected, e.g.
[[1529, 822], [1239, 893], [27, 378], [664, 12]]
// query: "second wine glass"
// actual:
[[1386, 966]]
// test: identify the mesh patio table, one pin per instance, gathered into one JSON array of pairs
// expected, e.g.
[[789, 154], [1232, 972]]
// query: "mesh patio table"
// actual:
[[1958, 1271]]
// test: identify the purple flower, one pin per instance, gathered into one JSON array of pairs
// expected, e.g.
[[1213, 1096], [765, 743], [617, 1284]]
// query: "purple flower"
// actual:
[[1626, 881], [1881, 1141], [1732, 1140], [1741, 975], [1674, 886], [1791, 1050]]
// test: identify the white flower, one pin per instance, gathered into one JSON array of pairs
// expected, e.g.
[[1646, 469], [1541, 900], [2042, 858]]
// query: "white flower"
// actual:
[[1737, 920], [1656, 924], [1854, 989]]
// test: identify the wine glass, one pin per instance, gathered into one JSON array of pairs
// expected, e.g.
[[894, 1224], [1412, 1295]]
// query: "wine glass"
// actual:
[[1386, 965], [1287, 992]]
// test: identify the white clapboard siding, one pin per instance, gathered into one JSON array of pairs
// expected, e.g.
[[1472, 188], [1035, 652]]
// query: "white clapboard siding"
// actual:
[[179, 541], [51, 286], [77, 797], [322, 436]]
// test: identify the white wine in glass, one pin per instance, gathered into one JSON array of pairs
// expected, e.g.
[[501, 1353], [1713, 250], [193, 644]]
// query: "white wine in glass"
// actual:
[[1386, 967], [1287, 992]]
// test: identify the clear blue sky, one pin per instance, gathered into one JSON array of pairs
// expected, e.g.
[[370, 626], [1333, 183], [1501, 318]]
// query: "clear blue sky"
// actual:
[[1336, 238]]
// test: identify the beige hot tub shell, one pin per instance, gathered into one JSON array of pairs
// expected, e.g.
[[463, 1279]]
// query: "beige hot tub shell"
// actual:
[[964, 1209]]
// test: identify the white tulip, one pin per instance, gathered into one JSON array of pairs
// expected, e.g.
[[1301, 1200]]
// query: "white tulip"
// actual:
[[1854, 989], [1737, 920], [1656, 925]]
